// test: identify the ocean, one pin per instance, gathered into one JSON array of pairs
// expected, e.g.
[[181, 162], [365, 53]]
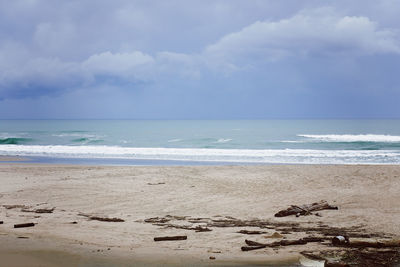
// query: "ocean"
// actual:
[[182, 142]]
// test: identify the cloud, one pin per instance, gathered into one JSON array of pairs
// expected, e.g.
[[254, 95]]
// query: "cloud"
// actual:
[[52, 76], [48, 65], [313, 32], [129, 66]]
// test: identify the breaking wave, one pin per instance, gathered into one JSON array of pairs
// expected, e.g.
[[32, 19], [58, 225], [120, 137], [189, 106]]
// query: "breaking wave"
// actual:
[[290, 156], [14, 140], [353, 138]]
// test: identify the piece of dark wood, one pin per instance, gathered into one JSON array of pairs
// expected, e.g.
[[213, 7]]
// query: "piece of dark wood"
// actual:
[[170, 238], [335, 264], [43, 210], [105, 219], [249, 232], [1, 222], [248, 248], [254, 243], [305, 209], [372, 243], [21, 225], [101, 219]]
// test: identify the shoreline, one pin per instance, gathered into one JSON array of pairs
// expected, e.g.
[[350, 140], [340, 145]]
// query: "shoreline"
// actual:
[[365, 194]]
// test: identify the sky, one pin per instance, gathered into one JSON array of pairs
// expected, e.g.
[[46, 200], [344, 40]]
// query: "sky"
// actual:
[[219, 59]]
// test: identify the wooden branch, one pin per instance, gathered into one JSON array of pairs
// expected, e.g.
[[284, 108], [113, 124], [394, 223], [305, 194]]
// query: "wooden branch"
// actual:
[[44, 210], [170, 238], [305, 209], [373, 244], [249, 232], [252, 245], [21, 225], [101, 219]]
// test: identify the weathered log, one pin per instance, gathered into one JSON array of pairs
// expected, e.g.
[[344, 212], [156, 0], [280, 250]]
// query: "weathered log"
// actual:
[[248, 248], [335, 264], [292, 242], [197, 228], [252, 245], [305, 209], [102, 219], [105, 219], [373, 243], [313, 239], [170, 238], [14, 206], [44, 210], [249, 232], [21, 225]]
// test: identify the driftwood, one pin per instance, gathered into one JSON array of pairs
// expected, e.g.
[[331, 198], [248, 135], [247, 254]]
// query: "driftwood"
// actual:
[[335, 264], [14, 206], [252, 245], [305, 209], [102, 219], [44, 210], [249, 232], [197, 228], [369, 243], [1, 222], [21, 225], [170, 238]]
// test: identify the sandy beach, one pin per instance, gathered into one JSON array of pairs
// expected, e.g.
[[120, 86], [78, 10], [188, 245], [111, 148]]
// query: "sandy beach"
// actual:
[[171, 201]]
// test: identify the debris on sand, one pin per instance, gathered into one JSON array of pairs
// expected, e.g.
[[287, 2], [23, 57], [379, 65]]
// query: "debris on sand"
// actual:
[[43, 210], [18, 206], [305, 209], [155, 183], [170, 238], [21, 225], [101, 219], [250, 232]]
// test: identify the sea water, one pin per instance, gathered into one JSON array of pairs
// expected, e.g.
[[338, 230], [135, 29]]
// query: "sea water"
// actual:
[[204, 141]]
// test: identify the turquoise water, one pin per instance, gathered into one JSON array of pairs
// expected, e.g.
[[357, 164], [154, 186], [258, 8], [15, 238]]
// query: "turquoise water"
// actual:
[[247, 141]]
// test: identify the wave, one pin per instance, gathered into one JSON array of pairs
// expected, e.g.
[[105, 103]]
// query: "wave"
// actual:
[[80, 134], [14, 140], [353, 138], [223, 140], [85, 140], [174, 140], [291, 156]]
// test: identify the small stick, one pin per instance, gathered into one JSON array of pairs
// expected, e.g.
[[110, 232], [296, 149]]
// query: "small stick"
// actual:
[[252, 247], [170, 238], [21, 225]]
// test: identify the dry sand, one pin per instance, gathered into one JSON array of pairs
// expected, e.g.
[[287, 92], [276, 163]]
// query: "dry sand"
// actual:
[[367, 197]]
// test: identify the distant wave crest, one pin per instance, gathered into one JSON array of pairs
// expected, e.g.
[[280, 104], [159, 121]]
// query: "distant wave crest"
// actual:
[[14, 140], [353, 137], [223, 140], [85, 140]]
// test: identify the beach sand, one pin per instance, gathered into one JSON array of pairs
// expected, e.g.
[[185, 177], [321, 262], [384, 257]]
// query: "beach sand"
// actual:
[[367, 198]]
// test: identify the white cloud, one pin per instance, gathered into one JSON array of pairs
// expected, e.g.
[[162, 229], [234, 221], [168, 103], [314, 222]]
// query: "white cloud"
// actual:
[[118, 64], [317, 31]]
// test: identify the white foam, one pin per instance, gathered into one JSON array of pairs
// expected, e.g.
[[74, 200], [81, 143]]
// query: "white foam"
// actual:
[[81, 135], [353, 137], [223, 140], [174, 140], [306, 156]]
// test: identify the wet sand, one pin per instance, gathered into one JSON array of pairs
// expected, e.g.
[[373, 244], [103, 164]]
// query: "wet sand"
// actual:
[[367, 198]]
